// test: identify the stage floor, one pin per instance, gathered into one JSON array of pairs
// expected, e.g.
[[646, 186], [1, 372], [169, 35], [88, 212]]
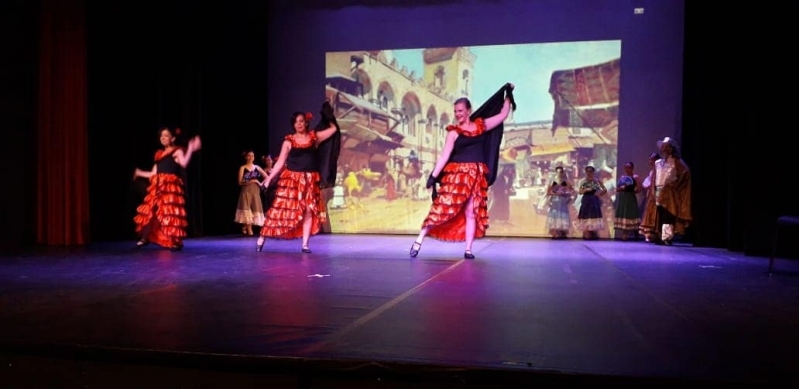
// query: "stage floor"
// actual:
[[523, 306]]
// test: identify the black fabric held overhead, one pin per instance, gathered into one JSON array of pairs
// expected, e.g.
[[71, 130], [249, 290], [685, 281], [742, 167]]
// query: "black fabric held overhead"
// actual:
[[328, 151], [491, 107]]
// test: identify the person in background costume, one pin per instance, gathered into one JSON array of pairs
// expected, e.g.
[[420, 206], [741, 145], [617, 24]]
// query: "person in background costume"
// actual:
[[672, 191], [338, 200], [250, 209], [627, 216], [267, 193], [589, 219], [648, 227], [161, 218], [466, 167], [500, 194], [306, 164], [560, 192]]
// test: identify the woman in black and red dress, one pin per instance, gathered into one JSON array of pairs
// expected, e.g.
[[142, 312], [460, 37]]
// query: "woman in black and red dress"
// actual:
[[297, 211], [459, 212], [161, 218]]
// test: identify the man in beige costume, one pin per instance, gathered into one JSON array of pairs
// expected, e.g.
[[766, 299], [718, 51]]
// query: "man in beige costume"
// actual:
[[672, 191]]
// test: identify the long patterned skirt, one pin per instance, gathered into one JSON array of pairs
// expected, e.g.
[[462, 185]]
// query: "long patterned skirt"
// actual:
[[447, 217], [558, 218], [589, 218], [628, 216], [296, 192], [250, 210], [161, 218]]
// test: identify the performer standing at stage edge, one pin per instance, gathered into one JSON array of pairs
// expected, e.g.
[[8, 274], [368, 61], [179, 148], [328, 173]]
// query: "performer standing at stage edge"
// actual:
[[672, 191], [466, 167], [310, 161], [161, 218]]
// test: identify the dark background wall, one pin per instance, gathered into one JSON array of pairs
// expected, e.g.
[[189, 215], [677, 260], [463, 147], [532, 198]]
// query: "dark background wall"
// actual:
[[18, 45], [198, 66], [232, 72]]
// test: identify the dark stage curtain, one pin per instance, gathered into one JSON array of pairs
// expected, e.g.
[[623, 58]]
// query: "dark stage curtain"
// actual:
[[62, 202], [738, 134]]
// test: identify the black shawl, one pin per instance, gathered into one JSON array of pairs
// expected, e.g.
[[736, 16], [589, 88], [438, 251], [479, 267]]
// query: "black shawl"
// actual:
[[493, 140], [328, 151]]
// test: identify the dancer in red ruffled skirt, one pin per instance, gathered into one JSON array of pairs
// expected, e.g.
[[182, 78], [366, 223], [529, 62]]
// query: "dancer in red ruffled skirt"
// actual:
[[161, 218], [297, 209], [459, 212]]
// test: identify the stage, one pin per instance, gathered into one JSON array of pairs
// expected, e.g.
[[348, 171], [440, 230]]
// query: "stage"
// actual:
[[358, 311]]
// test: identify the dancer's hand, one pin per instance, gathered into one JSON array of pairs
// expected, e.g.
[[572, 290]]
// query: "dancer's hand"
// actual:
[[195, 143], [431, 181], [509, 95]]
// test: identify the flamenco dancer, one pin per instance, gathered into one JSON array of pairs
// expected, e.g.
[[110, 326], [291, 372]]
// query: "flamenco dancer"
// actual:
[[465, 169], [307, 163], [161, 218]]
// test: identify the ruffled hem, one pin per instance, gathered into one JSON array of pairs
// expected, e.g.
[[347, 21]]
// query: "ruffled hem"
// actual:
[[163, 212], [249, 217], [647, 230], [296, 192], [558, 224], [447, 217], [589, 224], [250, 209], [626, 224]]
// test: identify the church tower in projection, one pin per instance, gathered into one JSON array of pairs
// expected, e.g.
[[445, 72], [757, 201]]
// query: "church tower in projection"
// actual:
[[449, 71]]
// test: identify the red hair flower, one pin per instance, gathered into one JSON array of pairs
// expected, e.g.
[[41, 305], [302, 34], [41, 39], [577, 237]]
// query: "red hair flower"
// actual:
[[308, 116], [177, 131]]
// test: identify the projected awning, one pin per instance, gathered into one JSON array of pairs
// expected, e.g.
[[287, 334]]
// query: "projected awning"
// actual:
[[550, 149], [587, 96], [357, 135], [361, 104], [586, 143], [338, 76], [517, 142], [550, 152], [589, 118]]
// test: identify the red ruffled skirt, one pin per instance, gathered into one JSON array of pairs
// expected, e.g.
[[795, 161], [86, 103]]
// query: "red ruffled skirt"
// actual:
[[447, 217], [161, 218], [296, 192]]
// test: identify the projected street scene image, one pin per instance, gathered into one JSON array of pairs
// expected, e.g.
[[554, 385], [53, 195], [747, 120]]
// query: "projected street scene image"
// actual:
[[393, 107]]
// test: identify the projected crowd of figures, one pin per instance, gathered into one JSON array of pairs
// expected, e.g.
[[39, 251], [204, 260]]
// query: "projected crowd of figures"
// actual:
[[394, 105]]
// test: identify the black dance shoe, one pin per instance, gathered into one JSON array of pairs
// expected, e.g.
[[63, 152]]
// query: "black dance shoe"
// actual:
[[415, 247], [259, 246]]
